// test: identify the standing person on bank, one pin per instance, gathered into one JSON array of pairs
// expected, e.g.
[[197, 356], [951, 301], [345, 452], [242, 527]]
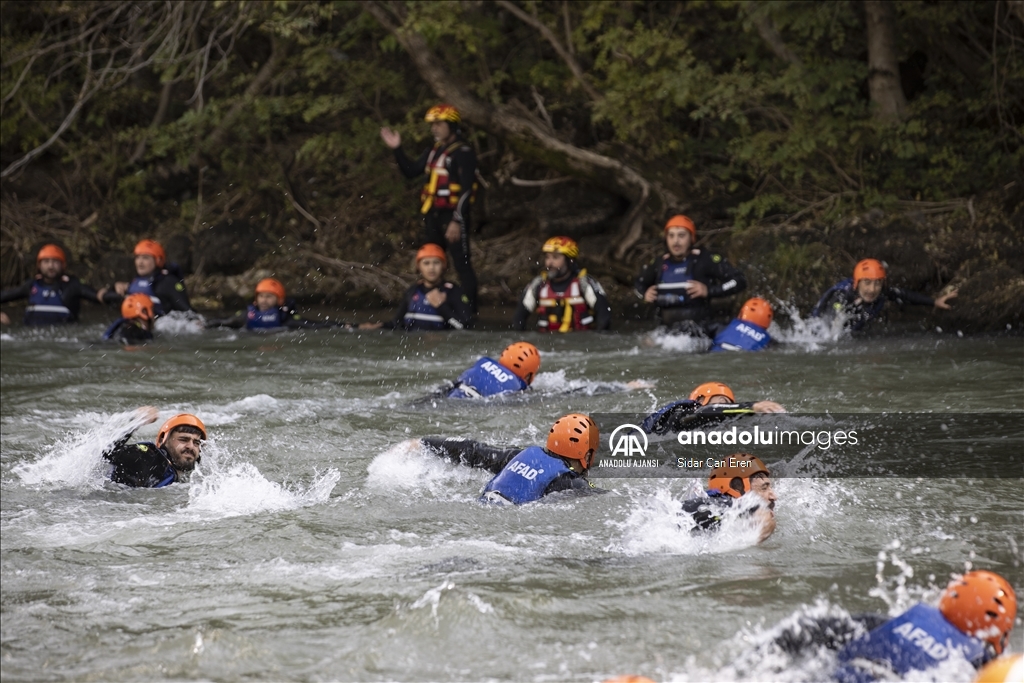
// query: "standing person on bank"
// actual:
[[450, 168]]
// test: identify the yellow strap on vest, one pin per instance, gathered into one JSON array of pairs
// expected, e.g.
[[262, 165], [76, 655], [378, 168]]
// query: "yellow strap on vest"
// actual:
[[566, 317]]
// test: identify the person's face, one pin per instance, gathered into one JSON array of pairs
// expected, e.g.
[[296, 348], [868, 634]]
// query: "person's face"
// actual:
[[717, 398], [869, 290], [431, 269], [679, 241], [265, 301], [440, 130], [762, 487], [144, 265], [183, 449], [51, 268], [557, 265]]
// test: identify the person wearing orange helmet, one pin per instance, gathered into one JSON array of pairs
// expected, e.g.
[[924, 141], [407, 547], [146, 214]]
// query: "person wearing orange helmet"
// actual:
[[564, 297], [708, 403], [862, 298], [737, 475], [511, 373], [682, 282], [525, 475], [54, 297], [135, 326], [749, 330], [271, 311], [432, 303], [170, 458], [161, 281], [447, 196]]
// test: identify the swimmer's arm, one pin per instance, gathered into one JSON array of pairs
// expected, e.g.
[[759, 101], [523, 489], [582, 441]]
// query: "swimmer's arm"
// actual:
[[904, 296], [471, 453], [236, 321], [15, 293], [571, 481]]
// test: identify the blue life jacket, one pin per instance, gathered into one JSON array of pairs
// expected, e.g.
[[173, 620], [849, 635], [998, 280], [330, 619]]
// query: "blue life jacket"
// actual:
[[741, 335], [45, 305], [651, 420], [919, 639], [487, 377], [672, 279], [255, 319], [145, 285], [868, 312], [525, 478], [421, 315]]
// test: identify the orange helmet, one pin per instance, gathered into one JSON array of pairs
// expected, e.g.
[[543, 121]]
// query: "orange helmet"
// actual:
[[631, 678], [708, 389], [431, 251], [152, 248], [681, 221], [983, 605], [562, 245], [523, 359], [574, 436], [757, 311], [52, 251], [868, 269], [442, 112], [180, 420], [272, 286], [735, 481], [1003, 670], [137, 306]]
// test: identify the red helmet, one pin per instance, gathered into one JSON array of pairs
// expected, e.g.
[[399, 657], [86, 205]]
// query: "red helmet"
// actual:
[[137, 305], [681, 221], [708, 389], [442, 112], [574, 436], [152, 248], [180, 420], [757, 311], [735, 481], [52, 251], [983, 605], [431, 251], [562, 245], [868, 269], [271, 286], [523, 359]]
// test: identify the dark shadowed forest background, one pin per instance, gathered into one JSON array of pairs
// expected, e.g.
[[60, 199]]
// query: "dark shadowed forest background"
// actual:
[[800, 136]]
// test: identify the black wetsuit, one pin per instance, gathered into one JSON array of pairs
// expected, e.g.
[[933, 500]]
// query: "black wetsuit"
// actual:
[[591, 290], [141, 465], [169, 287], [713, 270], [71, 292], [461, 165], [286, 318], [456, 313], [686, 415], [495, 458], [843, 298], [128, 331]]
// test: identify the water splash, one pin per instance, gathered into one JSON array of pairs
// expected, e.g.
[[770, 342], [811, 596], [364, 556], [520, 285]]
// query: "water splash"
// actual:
[[179, 323], [241, 489], [807, 334], [408, 467], [678, 341], [556, 383]]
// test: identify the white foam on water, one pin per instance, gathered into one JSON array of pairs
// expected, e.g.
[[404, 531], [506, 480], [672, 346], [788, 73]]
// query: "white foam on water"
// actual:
[[241, 489], [412, 469], [179, 323], [677, 341], [556, 383], [807, 334]]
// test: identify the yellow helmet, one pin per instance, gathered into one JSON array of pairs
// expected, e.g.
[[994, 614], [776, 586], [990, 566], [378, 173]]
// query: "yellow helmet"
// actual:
[[442, 112], [562, 245]]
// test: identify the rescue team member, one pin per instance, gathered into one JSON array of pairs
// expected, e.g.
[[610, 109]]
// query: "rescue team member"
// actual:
[[527, 475], [682, 282], [171, 458], [512, 372], [432, 303], [135, 326], [709, 403], [156, 278], [54, 297], [564, 297], [450, 167], [743, 474], [748, 331], [270, 310], [862, 299]]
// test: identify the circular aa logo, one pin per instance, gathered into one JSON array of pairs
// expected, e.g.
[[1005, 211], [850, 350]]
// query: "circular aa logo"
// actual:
[[625, 441]]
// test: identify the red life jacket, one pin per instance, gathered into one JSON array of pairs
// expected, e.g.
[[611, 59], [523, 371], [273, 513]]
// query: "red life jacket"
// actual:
[[440, 192], [566, 311]]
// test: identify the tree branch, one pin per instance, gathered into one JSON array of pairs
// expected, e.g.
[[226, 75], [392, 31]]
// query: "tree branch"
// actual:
[[766, 29]]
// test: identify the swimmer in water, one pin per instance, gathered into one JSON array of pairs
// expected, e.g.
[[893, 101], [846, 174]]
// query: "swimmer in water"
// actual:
[[749, 330], [709, 403], [511, 373], [525, 475], [135, 326], [271, 310], [171, 458], [54, 297], [155, 277], [744, 474]]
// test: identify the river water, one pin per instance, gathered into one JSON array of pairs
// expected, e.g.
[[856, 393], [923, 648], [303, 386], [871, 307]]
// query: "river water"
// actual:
[[317, 542]]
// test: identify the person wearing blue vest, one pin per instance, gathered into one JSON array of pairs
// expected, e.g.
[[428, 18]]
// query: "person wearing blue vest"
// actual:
[[527, 475], [709, 403], [160, 281], [433, 303], [271, 311], [749, 331], [862, 299], [682, 282], [135, 326], [512, 372], [171, 458], [737, 475], [54, 297]]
